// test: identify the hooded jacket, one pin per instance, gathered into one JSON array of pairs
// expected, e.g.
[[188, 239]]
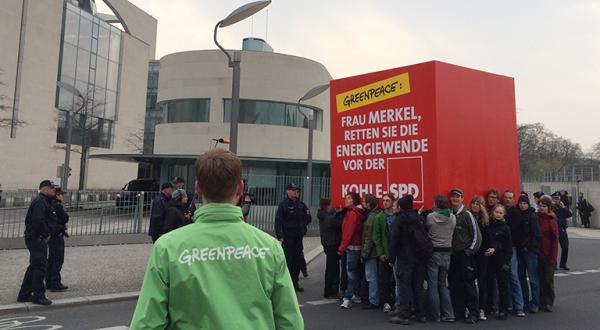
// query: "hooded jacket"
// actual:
[[381, 233], [467, 236], [548, 250], [352, 229], [441, 228], [330, 228], [402, 243], [217, 262]]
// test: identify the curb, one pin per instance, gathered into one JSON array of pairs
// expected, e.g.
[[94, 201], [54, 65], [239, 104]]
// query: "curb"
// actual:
[[68, 302], [99, 299]]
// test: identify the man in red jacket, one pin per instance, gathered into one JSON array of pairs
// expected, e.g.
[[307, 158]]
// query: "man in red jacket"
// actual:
[[351, 245]]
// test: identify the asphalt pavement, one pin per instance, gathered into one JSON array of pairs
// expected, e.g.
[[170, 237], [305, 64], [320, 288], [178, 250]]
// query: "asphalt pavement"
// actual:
[[578, 295]]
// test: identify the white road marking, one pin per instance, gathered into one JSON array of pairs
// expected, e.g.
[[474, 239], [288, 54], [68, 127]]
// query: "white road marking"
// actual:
[[577, 273], [593, 271], [560, 275], [322, 302]]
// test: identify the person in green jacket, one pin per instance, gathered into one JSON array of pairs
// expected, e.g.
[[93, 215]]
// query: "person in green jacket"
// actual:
[[368, 251], [218, 272], [381, 235]]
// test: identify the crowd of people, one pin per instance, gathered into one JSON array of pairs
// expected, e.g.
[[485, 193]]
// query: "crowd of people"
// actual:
[[494, 256]]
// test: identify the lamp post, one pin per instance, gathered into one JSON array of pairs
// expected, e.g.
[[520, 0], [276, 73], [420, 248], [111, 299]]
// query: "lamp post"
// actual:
[[237, 15], [65, 174], [313, 92]]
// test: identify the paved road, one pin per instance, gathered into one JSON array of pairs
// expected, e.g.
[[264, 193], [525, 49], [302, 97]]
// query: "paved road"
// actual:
[[578, 295]]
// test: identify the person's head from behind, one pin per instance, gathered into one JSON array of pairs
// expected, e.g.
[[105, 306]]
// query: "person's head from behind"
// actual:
[[498, 212], [352, 199], [492, 197], [325, 204], [219, 176], [440, 202], [536, 196]]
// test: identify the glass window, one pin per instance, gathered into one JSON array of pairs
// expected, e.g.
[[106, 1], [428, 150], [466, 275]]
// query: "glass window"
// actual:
[[186, 111], [99, 101], [83, 65], [85, 33], [95, 30], [113, 76], [71, 27], [111, 105], [101, 72], [115, 44], [65, 99], [273, 113], [69, 60], [94, 45], [103, 42]]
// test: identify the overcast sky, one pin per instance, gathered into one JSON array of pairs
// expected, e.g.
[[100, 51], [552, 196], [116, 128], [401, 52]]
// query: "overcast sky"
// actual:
[[550, 47]]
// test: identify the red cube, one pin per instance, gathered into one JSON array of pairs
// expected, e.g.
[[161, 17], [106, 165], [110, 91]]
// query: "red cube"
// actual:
[[423, 130]]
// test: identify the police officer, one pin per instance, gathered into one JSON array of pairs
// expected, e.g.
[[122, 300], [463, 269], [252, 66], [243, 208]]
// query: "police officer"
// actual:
[[56, 244], [290, 222], [158, 211], [37, 230]]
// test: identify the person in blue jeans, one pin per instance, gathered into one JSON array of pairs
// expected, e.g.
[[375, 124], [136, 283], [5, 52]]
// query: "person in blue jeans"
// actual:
[[368, 252], [351, 245], [440, 225], [528, 237], [514, 222]]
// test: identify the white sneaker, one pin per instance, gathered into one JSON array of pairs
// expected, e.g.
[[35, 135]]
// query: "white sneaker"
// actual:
[[356, 300], [482, 316], [346, 304], [387, 308]]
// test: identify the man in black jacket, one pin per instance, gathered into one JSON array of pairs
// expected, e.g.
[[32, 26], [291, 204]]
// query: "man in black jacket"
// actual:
[[410, 270], [513, 221], [291, 221], [330, 228], [56, 244], [158, 211], [562, 213], [37, 230], [466, 241]]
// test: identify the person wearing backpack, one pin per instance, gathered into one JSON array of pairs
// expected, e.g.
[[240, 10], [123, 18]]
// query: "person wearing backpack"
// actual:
[[466, 241], [440, 225], [407, 248]]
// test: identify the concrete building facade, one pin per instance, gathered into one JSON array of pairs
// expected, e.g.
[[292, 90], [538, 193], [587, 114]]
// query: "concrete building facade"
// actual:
[[105, 57]]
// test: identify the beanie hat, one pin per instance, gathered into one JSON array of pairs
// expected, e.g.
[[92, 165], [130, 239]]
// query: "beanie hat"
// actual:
[[178, 194], [406, 202], [524, 199]]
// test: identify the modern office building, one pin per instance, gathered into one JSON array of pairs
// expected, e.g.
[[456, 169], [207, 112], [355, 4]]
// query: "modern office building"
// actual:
[[193, 103], [104, 56]]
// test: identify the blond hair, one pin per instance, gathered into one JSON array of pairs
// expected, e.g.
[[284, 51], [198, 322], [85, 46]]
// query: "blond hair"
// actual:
[[485, 218]]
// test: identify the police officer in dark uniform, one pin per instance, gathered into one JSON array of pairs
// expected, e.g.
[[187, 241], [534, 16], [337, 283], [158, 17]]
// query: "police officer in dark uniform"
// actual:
[[158, 211], [56, 244], [290, 222], [37, 230]]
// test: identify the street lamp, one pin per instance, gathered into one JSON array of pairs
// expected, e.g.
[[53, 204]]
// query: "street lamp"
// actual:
[[313, 92], [237, 15], [73, 90]]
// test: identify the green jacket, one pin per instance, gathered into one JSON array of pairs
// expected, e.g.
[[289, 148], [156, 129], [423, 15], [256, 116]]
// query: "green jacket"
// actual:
[[217, 273], [368, 250], [380, 235]]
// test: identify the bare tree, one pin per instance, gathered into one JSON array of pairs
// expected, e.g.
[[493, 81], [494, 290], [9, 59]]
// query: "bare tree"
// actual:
[[84, 113], [135, 140], [7, 121]]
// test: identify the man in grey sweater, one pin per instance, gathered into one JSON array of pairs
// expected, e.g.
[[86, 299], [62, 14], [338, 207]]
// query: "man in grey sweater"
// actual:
[[440, 225]]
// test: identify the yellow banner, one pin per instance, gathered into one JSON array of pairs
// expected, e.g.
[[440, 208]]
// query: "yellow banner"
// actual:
[[373, 93]]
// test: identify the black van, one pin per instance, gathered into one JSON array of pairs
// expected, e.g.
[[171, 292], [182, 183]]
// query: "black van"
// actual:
[[129, 195]]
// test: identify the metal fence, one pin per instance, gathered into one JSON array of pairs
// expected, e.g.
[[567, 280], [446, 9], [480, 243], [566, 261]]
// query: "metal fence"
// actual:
[[126, 212]]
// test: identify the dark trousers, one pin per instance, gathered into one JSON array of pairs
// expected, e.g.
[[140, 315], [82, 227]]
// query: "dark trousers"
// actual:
[[411, 278], [344, 273], [546, 282], [303, 264], [332, 271], [485, 302], [56, 258], [33, 281], [499, 277], [585, 221], [563, 240], [386, 283], [461, 281], [292, 247]]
